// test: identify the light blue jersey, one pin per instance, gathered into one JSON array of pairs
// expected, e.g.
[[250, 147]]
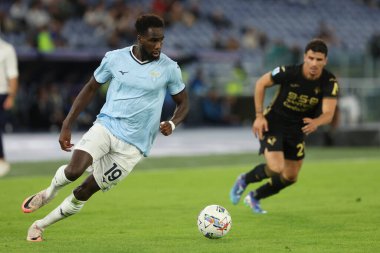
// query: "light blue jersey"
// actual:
[[136, 95]]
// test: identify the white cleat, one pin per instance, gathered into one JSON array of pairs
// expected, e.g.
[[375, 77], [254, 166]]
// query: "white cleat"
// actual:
[[34, 202], [34, 233]]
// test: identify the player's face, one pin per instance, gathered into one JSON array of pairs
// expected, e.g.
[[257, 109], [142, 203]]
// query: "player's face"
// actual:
[[151, 43], [314, 62]]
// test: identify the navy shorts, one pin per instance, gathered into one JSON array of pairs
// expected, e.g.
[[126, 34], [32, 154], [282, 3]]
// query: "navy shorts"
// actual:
[[293, 145]]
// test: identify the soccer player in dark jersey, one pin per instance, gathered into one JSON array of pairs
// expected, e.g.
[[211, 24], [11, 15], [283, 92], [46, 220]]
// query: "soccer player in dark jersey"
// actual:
[[306, 99]]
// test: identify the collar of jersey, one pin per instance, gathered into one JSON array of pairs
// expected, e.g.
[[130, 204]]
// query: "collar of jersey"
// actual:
[[135, 58]]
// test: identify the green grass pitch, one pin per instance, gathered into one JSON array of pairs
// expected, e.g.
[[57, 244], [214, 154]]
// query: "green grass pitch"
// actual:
[[334, 207]]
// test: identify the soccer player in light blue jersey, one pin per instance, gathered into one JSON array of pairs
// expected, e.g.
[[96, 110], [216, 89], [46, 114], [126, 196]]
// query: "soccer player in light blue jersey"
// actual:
[[125, 128]]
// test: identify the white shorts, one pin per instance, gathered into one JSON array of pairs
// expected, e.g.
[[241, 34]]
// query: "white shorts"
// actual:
[[113, 159]]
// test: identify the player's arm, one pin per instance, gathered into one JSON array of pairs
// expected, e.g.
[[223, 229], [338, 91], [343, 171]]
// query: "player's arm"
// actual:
[[11, 70], [260, 125], [12, 91], [182, 108], [327, 115], [81, 101]]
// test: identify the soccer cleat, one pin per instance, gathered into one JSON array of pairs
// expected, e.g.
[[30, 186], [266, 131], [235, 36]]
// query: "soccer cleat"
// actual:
[[35, 202], [238, 189], [253, 203], [34, 233]]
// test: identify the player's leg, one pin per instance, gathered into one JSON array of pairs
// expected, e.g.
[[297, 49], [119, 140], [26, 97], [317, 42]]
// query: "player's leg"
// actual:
[[94, 144], [279, 181], [275, 160], [276, 183], [70, 206], [257, 174], [108, 171], [287, 166], [4, 166], [292, 169], [65, 174], [271, 147]]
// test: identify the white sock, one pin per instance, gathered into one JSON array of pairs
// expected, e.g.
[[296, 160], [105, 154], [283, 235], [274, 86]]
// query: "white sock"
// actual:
[[67, 208], [59, 180]]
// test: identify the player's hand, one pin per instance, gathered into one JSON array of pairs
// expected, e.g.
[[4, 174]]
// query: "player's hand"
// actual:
[[260, 126], [310, 126], [65, 139], [8, 103], [166, 128]]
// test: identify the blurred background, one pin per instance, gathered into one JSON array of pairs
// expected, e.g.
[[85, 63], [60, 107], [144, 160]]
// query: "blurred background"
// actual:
[[222, 46]]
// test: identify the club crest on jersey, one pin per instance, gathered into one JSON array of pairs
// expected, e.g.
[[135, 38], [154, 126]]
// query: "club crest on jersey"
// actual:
[[271, 140], [155, 74]]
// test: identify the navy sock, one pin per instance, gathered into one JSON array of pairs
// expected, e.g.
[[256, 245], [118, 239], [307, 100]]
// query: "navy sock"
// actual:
[[256, 174], [274, 186]]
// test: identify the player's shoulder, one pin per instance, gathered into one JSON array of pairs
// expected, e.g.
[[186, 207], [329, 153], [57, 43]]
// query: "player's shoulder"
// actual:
[[5, 45], [329, 76], [286, 69], [328, 73], [166, 60], [118, 52]]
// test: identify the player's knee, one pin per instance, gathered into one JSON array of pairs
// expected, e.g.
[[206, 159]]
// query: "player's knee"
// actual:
[[288, 182], [82, 192], [269, 172], [278, 183], [72, 173], [289, 179], [275, 168]]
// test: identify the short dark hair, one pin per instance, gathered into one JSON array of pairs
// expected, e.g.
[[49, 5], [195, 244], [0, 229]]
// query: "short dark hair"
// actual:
[[145, 21], [317, 45]]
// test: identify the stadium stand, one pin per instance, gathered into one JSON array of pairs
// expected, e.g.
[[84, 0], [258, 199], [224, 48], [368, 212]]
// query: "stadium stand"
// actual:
[[294, 22], [60, 42]]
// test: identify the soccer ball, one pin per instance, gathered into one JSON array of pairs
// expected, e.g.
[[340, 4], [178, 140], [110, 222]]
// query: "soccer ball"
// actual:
[[214, 221]]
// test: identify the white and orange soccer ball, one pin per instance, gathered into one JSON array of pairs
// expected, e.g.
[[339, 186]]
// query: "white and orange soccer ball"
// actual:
[[214, 221]]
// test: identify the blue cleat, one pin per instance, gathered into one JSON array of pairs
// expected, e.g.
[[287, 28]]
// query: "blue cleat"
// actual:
[[238, 189], [253, 203]]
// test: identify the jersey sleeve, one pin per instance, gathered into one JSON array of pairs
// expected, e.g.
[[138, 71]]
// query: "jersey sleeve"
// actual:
[[103, 73], [279, 74], [176, 84], [332, 88]]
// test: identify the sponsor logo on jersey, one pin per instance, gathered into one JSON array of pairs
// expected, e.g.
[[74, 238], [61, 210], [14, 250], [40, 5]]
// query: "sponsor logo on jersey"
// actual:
[[123, 72]]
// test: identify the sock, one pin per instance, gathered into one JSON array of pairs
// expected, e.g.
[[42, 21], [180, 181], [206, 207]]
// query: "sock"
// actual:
[[67, 208], [258, 173], [59, 180], [275, 185]]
